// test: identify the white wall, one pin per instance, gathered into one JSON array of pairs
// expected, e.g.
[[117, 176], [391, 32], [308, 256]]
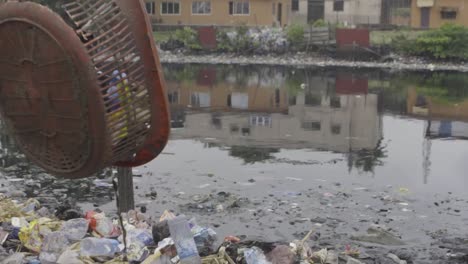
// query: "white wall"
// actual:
[[300, 17]]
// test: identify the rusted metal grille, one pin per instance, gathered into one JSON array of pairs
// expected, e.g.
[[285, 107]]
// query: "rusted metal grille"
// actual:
[[83, 91], [110, 44]]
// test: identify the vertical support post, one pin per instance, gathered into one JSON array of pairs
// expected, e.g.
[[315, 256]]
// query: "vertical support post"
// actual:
[[125, 190]]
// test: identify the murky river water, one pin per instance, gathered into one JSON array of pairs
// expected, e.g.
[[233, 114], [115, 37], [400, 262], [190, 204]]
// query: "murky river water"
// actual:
[[406, 130], [293, 144]]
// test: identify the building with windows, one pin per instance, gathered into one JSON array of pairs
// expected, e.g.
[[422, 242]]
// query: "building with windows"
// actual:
[[307, 11], [435, 13], [353, 12], [220, 12]]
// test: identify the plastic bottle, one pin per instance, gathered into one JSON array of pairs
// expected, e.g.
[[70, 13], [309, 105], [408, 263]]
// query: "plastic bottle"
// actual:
[[255, 256], [205, 238], [137, 242], [102, 225], [75, 229], [52, 247], [99, 247], [140, 236], [184, 242]]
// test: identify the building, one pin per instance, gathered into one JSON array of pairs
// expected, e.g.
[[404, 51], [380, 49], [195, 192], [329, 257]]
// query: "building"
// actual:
[[220, 12], [306, 11], [353, 12], [435, 13], [299, 12]]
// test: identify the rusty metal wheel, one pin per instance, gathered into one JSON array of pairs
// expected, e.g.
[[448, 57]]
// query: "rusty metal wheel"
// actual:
[[48, 90], [82, 94]]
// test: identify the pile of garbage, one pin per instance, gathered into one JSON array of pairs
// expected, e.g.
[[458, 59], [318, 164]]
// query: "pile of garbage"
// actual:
[[30, 233]]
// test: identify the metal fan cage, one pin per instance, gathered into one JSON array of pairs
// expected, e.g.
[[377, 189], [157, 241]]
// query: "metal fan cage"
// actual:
[[85, 90]]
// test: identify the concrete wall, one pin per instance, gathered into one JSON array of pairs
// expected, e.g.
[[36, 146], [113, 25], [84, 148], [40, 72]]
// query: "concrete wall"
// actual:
[[355, 12], [262, 13], [435, 13]]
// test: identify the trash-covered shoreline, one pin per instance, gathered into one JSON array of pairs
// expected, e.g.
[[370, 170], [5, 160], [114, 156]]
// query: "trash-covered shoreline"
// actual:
[[30, 233], [147, 233], [307, 60]]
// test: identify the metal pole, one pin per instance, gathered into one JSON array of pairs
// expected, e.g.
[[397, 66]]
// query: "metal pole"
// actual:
[[125, 190]]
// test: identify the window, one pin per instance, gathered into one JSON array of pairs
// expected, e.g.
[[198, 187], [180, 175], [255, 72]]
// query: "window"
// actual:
[[312, 126], [170, 8], [448, 14], [201, 7], [313, 99], [335, 102], [335, 129], [260, 121], [273, 9], [198, 99], [295, 5], [234, 129], [338, 5], [150, 8], [173, 97], [216, 121], [239, 7]]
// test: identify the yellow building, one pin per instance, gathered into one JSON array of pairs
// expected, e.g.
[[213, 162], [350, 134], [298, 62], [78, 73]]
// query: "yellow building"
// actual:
[[435, 13], [219, 12]]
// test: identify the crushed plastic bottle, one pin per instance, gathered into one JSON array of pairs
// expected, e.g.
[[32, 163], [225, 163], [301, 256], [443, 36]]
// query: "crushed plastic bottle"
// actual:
[[205, 238], [99, 247], [52, 247], [75, 229], [102, 225], [140, 236], [255, 255], [137, 242], [184, 242]]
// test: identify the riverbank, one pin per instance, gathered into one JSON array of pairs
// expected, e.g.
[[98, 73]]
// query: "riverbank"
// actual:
[[373, 222], [304, 60]]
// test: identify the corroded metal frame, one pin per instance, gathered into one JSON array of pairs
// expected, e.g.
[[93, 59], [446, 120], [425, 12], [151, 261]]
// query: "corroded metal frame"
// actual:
[[97, 37]]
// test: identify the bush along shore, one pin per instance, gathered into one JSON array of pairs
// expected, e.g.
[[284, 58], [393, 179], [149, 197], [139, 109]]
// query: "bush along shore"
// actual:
[[444, 49]]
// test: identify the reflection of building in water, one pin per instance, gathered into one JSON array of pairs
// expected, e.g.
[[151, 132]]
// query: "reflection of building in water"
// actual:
[[226, 97], [238, 90], [342, 123], [330, 113], [443, 120], [446, 129], [423, 106]]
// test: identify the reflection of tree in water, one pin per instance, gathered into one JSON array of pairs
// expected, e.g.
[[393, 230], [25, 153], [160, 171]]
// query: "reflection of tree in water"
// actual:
[[367, 159], [252, 155], [442, 87]]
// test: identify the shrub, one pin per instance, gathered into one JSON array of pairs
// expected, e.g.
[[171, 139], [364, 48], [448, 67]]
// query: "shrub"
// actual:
[[189, 37], [224, 43], [319, 23], [448, 42], [295, 35]]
